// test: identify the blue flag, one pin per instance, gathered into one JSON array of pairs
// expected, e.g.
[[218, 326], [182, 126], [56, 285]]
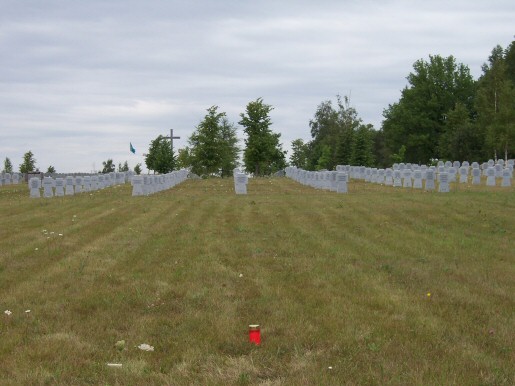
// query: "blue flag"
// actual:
[[133, 151]]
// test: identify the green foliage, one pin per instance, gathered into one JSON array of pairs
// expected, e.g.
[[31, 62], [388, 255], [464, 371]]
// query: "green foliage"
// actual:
[[417, 121], [160, 157], [495, 103], [50, 170], [399, 156], [184, 158], [362, 147], [137, 169], [299, 156], [213, 144], [29, 163], [333, 134], [263, 154], [108, 166], [124, 167], [8, 166]]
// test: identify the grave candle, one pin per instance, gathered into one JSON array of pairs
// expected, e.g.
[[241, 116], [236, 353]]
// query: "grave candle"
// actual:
[[254, 334]]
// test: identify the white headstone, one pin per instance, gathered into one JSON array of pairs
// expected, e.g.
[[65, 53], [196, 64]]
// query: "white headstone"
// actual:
[[430, 179], [464, 173], [59, 187], [69, 186], [341, 182], [506, 178], [417, 179], [443, 186], [35, 185], [137, 186], [490, 176], [406, 182], [78, 184], [397, 178], [476, 176], [240, 183], [48, 185]]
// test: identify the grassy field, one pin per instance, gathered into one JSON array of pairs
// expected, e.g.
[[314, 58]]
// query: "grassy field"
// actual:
[[378, 286]]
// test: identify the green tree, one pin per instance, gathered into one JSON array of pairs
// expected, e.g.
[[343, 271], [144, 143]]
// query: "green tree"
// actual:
[[263, 153], [362, 147], [50, 170], [8, 166], [108, 166], [333, 131], [124, 167], [229, 149], [184, 158], [137, 169], [29, 163], [495, 104], [160, 157], [213, 145], [418, 120], [299, 156]]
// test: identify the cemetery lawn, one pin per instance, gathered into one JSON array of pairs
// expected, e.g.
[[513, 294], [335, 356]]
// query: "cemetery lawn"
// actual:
[[379, 286]]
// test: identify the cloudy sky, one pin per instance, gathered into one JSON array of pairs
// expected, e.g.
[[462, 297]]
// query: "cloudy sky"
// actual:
[[79, 80]]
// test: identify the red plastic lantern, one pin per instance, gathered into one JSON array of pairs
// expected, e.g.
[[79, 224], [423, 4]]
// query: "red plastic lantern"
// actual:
[[254, 334]]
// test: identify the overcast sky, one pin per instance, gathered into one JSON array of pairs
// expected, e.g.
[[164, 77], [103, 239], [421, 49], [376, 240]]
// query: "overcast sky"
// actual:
[[79, 80]]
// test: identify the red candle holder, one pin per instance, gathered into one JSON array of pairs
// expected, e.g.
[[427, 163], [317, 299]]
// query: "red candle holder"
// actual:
[[255, 334]]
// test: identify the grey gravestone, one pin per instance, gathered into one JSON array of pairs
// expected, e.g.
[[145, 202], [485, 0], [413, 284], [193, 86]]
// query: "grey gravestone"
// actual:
[[87, 183], [78, 184], [388, 180], [35, 185], [498, 170], [240, 183], [69, 186], [448, 164], [490, 176], [443, 186], [464, 171], [59, 187], [341, 182], [48, 185], [7, 179], [506, 178], [137, 186], [406, 182], [397, 178], [430, 179], [16, 178], [417, 179], [476, 176], [456, 164], [452, 174]]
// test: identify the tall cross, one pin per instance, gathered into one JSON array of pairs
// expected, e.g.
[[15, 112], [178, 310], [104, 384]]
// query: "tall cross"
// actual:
[[171, 138]]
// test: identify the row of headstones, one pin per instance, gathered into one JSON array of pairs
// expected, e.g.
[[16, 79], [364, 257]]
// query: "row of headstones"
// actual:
[[335, 181], [150, 184], [8, 179], [415, 175], [70, 185], [240, 181]]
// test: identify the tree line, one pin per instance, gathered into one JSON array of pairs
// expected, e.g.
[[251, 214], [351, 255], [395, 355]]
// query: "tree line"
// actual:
[[442, 114]]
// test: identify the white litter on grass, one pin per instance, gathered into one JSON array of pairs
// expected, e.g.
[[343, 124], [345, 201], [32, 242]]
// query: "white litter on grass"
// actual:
[[36, 249], [330, 367], [7, 312], [114, 364], [27, 311], [60, 234], [146, 347]]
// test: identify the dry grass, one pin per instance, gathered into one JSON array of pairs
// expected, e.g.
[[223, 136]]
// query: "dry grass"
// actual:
[[334, 280]]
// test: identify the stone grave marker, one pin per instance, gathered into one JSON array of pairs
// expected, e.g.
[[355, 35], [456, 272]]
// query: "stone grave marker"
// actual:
[[417, 179], [341, 182], [388, 180], [490, 176], [464, 173], [35, 186], [397, 178], [59, 187], [406, 182], [78, 184], [443, 186], [476, 176], [69, 186], [48, 187], [506, 178], [430, 179], [137, 186], [240, 183], [87, 183], [7, 179]]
